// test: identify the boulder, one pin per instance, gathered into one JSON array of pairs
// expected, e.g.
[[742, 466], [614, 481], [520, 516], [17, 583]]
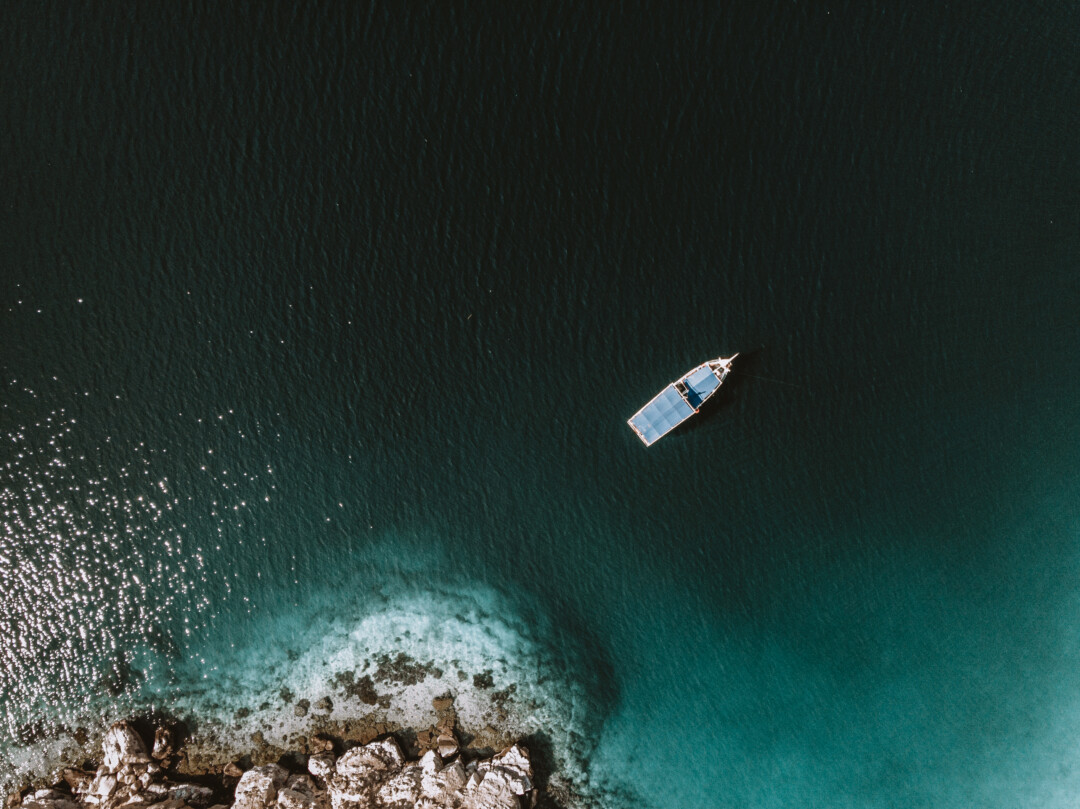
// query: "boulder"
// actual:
[[122, 745], [447, 745], [302, 784], [436, 782], [372, 759], [291, 799], [498, 783], [191, 794], [515, 759], [103, 785], [322, 767], [258, 787], [371, 776], [155, 793], [49, 799], [163, 743], [401, 788], [320, 743], [362, 771]]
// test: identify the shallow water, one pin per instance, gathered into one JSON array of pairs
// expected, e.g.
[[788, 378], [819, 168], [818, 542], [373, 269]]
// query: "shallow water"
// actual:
[[321, 328]]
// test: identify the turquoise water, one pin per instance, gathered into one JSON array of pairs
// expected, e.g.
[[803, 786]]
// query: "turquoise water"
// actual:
[[320, 331]]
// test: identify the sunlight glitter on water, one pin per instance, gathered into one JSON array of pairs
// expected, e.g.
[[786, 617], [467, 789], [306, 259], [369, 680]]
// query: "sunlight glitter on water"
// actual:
[[95, 574]]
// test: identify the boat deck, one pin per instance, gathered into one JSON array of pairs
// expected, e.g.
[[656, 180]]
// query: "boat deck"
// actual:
[[664, 413], [678, 401]]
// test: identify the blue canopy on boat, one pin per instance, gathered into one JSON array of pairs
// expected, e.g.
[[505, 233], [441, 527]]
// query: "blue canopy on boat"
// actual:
[[699, 385], [662, 414]]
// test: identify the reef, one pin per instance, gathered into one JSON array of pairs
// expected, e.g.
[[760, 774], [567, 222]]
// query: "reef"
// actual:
[[146, 765]]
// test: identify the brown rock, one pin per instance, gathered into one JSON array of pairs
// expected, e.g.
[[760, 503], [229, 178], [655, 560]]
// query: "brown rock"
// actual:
[[232, 769], [78, 780], [302, 784], [163, 743], [442, 703], [291, 799], [320, 743]]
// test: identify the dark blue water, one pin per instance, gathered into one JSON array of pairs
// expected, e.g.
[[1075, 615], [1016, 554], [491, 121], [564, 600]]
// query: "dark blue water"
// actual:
[[320, 328]]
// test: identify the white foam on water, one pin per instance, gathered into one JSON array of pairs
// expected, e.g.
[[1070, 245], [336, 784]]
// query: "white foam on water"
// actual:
[[427, 642]]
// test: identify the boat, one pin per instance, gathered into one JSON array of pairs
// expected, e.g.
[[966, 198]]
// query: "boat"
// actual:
[[680, 400]]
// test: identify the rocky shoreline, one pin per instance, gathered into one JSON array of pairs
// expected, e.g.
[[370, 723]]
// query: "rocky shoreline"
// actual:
[[370, 769]]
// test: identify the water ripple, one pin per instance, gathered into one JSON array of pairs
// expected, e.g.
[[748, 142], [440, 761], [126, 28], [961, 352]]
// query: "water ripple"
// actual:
[[96, 574]]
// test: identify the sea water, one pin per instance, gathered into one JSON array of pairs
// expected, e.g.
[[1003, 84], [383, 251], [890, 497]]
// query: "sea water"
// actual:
[[321, 327]]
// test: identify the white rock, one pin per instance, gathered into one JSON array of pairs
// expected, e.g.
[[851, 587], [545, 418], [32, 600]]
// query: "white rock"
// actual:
[[438, 783], [453, 777], [401, 788], [362, 771], [496, 784], [377, 757], [430, 762], [57, 803], [321, 766], [495, 791], [514, 758], [258, 787], [447, 745], [122, 745], [291, 799], [103, 785], [156, 792], [49, 799], [136, 800]]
